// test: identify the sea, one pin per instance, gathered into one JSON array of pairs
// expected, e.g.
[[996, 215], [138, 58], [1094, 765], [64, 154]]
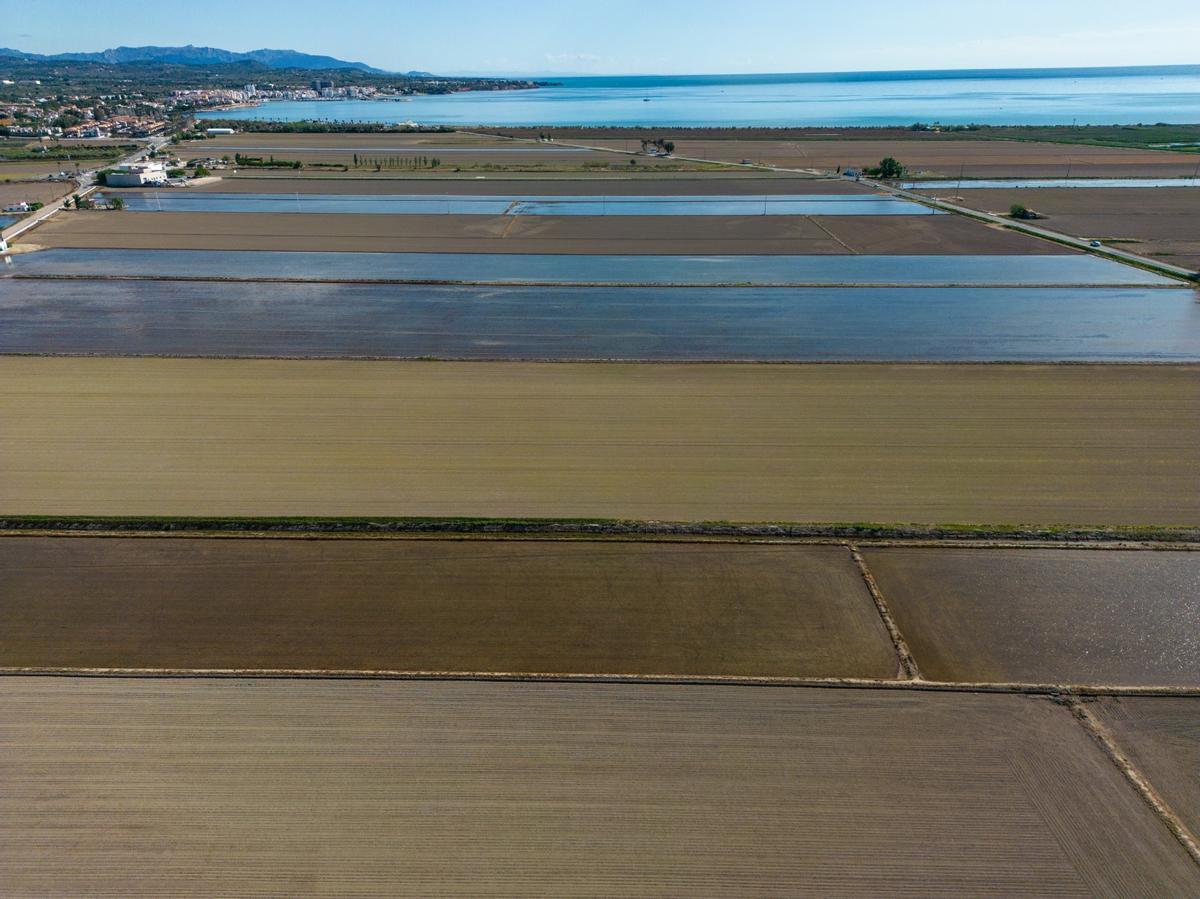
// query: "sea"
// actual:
[[1109, 96]]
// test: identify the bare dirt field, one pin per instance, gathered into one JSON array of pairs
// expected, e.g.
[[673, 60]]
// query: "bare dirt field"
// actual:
[[118, 787], [621, 235], [907, 443], [1046, 616], [425, 605], [1161, 736], [33, 192], [455, 151], [350, 143], [1160, 223], [33, 170], [655, 185], [943, 158]]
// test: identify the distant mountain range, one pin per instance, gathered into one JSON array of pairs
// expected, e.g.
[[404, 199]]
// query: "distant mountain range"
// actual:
[[204, 56]]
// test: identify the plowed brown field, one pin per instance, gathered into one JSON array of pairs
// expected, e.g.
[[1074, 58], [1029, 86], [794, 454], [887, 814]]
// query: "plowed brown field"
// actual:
[[944, 158], [115, 787], [1161, 736], [418, 605], [620, 235]]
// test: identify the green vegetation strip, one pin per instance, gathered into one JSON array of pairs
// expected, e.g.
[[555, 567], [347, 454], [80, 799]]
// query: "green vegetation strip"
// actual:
[[1061, 693], [602, 527]]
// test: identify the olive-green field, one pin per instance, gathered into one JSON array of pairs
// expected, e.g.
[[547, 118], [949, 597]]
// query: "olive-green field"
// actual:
[[1088, 445]]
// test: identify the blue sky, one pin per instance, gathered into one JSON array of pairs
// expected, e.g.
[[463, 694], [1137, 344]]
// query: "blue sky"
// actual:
[[637, 36]]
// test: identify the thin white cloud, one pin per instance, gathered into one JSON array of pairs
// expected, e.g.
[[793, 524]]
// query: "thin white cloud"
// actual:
[[558, 59]]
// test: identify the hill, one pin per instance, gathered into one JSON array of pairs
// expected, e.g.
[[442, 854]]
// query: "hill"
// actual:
[[198, 56]]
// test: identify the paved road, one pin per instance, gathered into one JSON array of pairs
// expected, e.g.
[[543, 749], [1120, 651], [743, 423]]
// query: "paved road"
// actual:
[[1033, 230], [1036, 231], [87, 183]]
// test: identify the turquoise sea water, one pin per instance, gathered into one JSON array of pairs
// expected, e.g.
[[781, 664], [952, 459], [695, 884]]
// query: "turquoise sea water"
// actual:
[[1006, 97]]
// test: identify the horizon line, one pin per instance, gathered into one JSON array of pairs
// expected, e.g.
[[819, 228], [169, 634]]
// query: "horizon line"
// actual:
[[984, 69]]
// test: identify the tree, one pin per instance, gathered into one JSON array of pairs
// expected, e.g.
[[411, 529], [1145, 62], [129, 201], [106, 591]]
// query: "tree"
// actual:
[[1019, 211], [201, 172], [116, 203], [889, 169]]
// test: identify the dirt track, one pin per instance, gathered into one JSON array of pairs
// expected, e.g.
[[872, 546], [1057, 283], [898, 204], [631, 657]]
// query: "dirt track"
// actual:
[[203, 788], [968, 444], [621, 235], [422, 605], [1161, 736], [1160, 223]]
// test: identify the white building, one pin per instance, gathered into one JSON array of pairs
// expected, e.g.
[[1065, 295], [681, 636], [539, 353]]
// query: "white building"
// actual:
[[137, 174], [213, 131]]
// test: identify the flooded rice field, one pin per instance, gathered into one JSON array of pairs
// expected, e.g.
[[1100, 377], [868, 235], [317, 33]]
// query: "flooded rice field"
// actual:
[[1059, 270], [1047, 616], [628, 323], [482, 204]]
